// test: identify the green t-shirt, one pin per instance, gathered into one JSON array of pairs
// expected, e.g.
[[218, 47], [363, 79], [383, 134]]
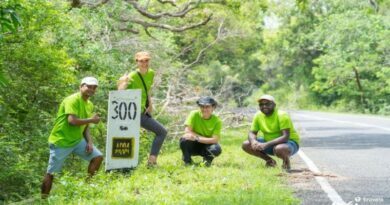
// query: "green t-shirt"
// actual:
[[63, 133], [136, 83], [207, 128], [272, 126]]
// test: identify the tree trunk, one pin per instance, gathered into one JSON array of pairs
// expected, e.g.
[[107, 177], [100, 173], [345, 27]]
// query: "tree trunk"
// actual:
[[359, 85]]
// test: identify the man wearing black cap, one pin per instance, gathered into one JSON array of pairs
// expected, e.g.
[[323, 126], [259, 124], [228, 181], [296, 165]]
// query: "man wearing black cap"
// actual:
[[279, 136], [202, 133]]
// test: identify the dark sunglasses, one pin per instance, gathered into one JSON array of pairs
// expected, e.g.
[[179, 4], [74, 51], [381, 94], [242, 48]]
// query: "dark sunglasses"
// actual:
[[268, 104]]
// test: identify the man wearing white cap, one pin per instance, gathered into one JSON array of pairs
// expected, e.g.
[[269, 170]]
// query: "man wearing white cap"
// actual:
[[71, 133], [279, 136]]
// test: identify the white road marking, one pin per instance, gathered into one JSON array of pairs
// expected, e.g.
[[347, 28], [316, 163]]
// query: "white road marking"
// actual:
[[328, 189], [322, 181], [342, 121]]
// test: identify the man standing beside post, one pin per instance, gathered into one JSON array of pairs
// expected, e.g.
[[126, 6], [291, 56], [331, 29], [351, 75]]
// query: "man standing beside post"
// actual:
[[71, 133], [279, 136], [143, 78]]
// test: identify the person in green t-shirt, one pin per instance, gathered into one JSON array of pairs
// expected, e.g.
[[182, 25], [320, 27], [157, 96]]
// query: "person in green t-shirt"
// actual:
[[202, 133], [142, 79], [71, 133], [279, 136]]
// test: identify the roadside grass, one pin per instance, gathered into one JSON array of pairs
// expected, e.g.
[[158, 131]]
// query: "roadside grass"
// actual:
[[234, 178]]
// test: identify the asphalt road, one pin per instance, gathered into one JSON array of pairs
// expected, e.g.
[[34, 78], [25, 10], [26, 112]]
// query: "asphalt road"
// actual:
[[352, 153]]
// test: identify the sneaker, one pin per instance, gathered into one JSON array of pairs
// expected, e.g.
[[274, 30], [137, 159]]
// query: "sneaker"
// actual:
[[207, 162]]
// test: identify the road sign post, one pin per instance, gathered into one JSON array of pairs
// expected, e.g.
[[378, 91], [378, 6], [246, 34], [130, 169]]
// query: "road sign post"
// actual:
[[123, 129]]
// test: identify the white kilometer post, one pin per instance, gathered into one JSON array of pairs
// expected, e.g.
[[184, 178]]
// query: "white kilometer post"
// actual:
[[123, 129]]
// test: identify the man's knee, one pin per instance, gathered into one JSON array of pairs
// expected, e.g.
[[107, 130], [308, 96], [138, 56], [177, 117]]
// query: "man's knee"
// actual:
[[163, 132], [184, 143], [215, 150], [161, 135], [97, 159], [246, 145], [48, 177], [281, 150]]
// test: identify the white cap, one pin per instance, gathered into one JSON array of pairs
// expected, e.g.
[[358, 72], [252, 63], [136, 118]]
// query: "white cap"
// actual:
[[89, 81], [266, 97]]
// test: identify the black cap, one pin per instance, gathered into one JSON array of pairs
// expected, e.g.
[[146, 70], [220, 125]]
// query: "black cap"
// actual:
[[206, 101]]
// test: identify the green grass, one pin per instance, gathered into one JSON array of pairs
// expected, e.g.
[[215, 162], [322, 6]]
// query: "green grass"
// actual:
[[234, 178]]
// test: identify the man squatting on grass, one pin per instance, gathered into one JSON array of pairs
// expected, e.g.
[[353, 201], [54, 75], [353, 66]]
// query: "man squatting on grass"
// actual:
[[280, 137], [202, 133], [71, 133]]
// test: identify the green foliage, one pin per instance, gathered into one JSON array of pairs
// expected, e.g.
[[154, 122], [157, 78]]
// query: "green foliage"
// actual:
[[9, 18], [333, 52], [352, 60]]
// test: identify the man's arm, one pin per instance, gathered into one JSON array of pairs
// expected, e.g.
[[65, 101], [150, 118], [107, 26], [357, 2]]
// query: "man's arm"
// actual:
[[252, 136], [191, 135], [282, 139], [74, 120], [88, 139], [150, 108], [123, 82]]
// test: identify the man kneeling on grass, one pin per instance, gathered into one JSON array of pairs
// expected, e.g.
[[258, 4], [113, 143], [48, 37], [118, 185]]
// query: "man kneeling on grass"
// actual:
[[202, 133], [280, 137]]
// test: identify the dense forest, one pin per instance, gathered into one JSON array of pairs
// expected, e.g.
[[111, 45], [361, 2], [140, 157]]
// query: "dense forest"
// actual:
[[318, 54]]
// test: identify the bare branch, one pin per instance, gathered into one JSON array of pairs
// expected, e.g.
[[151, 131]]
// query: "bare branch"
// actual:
[[146, 24], [79, 3], [184, 50], [149, 34], [374, 4], [207, 47], [173, 3], [186, 8], [129, 30], [167, 102]]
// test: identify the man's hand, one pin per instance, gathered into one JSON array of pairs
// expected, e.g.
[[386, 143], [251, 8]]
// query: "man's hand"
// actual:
[[258, 146], [89, 148], [149, 109], [95, 119], [124, 81], [262, 146], [254, 145], [189, 136]]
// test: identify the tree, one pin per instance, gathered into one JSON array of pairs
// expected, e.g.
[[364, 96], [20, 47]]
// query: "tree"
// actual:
[[174, 16], [351, 67]]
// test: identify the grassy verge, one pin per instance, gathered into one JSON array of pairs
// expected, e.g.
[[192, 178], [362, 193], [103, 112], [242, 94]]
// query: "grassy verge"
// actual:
[[234, 178]]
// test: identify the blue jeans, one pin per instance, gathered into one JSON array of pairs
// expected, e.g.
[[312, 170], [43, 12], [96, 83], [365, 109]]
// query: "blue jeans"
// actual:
[[292, 146], [58, 155]]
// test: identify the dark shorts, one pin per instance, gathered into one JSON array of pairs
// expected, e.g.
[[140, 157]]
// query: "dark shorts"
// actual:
[[292, 146]]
